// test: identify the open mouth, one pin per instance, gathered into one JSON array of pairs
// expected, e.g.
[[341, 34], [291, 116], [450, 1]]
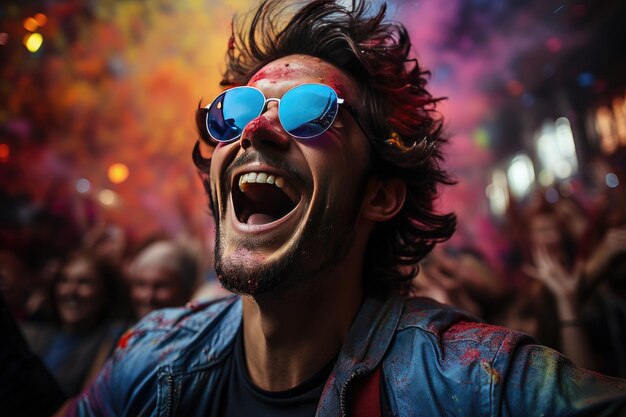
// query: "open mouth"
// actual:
[[262, 198]]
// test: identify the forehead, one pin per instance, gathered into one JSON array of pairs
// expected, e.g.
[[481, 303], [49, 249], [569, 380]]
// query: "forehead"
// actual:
[[293, 70], [77, 266]]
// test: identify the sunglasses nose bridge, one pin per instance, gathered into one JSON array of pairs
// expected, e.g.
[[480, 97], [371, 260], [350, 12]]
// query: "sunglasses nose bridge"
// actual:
[[269, 108], [268, 102], [266, 129]]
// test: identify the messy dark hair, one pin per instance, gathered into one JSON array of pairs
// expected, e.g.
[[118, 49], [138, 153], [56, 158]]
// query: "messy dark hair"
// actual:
[[397, 114]]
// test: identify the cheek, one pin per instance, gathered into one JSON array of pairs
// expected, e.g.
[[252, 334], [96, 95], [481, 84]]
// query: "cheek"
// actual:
[[90, 292], [60, 290], [165, 294], [221, 153], [136, 293], [338, 164]]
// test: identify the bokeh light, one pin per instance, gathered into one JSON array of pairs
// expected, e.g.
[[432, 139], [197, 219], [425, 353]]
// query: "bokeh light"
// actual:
[[481, 138], [498, 193], [546, 177], [552, 195], [33, 42], [83, 185], [611, 180], [5, 152], [521, 175], [109, 198], [118, 173], [4, 38], [30, 24], [41, 19], [585, 79]]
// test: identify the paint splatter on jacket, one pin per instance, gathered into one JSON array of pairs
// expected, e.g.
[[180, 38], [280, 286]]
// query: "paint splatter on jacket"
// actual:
[[436, 361]]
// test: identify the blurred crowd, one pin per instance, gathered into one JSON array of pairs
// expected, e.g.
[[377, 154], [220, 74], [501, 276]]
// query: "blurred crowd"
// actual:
[[73, 307], [562, 280], [564, 276]]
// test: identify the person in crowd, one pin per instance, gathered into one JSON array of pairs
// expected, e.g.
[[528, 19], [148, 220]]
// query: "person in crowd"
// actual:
[[553, 302], [321, 165], [16, 284], [88, 319], [26, 386], [106, 241], [603, 255], [163, 274], [461, 277]]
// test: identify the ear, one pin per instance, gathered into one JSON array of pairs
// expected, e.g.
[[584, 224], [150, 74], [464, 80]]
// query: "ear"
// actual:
[[383, 199]]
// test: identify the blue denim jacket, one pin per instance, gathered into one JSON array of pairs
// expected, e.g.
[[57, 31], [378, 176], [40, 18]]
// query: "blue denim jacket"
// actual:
[[436, 361]]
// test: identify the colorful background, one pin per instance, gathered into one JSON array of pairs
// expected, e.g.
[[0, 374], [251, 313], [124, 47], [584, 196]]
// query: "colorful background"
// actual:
[[98, 99]]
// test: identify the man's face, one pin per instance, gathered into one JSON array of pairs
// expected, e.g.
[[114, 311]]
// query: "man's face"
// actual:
[[154, 287], [277, 235]]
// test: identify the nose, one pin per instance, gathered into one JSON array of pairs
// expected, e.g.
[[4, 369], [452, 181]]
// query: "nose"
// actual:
[[149, 296], [265, 131], [66, 288]]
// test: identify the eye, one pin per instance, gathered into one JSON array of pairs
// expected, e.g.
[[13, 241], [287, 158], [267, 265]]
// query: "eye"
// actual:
[[339, 121]]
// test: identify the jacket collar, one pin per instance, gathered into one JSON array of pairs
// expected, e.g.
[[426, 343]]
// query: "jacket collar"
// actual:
[[367, 342]]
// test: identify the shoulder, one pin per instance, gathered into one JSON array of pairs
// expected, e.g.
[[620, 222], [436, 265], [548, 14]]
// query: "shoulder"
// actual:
[[454, 337], [161, 329], [192, 316], [486, 367], [446, 324], [155, 345], [455, 352]]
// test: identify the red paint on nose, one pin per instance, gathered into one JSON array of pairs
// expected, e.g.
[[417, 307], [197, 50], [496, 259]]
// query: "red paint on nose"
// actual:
[[263, 130], [259, 123]]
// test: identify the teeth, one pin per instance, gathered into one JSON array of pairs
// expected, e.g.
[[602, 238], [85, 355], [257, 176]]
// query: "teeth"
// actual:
[[260, 178]]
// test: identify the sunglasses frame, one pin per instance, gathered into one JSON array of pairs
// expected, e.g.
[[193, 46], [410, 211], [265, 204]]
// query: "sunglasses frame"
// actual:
[[263, 109]]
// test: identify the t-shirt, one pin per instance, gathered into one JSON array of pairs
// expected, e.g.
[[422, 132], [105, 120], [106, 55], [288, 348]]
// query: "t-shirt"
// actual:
[[236, 395]]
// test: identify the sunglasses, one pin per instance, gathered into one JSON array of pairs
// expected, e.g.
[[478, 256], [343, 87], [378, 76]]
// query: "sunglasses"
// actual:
[[304, 111]]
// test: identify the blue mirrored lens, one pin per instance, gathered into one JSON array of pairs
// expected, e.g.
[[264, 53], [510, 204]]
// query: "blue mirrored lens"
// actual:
[[308, 110], [232, 110]]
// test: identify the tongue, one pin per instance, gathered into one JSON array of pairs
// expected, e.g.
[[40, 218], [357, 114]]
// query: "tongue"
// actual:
[[260, 218]]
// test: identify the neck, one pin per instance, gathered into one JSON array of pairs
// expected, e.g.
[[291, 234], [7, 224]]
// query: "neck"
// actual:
[[290, 337]]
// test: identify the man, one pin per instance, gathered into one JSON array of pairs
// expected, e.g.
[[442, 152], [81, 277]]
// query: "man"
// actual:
[[163, 274], [322, 180]]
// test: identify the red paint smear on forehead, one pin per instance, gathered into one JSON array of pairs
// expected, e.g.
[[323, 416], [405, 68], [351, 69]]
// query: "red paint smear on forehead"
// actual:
[[275, 72], [307, 66]]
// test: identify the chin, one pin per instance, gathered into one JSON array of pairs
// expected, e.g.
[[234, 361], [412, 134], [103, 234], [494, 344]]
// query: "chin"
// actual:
[[246, 272]]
